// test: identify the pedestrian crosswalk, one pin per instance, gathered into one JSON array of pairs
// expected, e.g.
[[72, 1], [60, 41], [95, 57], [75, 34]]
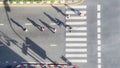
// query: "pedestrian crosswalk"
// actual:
[[76, 40]]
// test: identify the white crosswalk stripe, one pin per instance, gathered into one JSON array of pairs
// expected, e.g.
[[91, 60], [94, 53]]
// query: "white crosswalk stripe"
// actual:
[[76, 40]]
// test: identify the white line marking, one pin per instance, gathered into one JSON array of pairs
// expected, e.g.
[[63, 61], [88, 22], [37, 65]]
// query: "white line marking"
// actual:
[[99, 30], [28, 24], [98, 22], [1, 24], [99, 60], [79, 28], [76, 39], [53, 45], [77, 23], [76, 55], [98, 15], [76, 50], [76, 17], [77, 7], [76, 44], [76, 34], [73, 12], [99, 54], [99, 48], [99, 42], [98, 7], [99, 36], [99, 65], [52, 23], [78, 60]]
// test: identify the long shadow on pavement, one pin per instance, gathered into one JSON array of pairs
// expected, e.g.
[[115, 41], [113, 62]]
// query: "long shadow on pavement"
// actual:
[[37, 49], [66, 60], [6, 39], [19, 25], [52, 29], [58, 10], [6, 5], [51, 18]]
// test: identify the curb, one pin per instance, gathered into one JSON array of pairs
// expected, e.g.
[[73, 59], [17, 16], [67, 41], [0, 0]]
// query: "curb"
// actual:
[[40, 3]]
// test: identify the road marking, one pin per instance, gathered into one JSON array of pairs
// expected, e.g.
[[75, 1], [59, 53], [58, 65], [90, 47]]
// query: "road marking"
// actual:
[[76, 44], [76, 17], [76, 34], [28, 24], [73, 12], [1, 24], [99, 30], [99, 65], [99, 60], [52, 23], [99, 36], [99, 54], [77, 7], [98, 15], [76, 55], [99, 48], [76, 39], [98, 7], [99, 42], [77, 23], [53, 45], [75, 50], [79, 28], [78, 60], [98, 22]]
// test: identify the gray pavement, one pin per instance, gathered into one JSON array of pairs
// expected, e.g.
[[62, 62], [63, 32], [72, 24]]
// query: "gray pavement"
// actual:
[[110, 33]]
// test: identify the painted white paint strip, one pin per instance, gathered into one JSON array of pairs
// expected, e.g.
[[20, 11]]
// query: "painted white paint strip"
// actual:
[[99, 30], [76, 17], [76, 23], [98, 15], [28, 24], [76, 39], [78, 60], [53, 45], [98, 7], [99, 60], [99, 54], [99, 65], [99, 36], [79, 28], [98, 22], [76, 44], [1, 24], [99, 42], [76, 55], [76, 50], [73, 12], [77, 7], [76, 34], [52, 23], [99, 48]]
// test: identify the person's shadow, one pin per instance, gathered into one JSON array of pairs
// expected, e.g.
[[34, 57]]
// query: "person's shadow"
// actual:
[[66, 60], [17, 24]]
